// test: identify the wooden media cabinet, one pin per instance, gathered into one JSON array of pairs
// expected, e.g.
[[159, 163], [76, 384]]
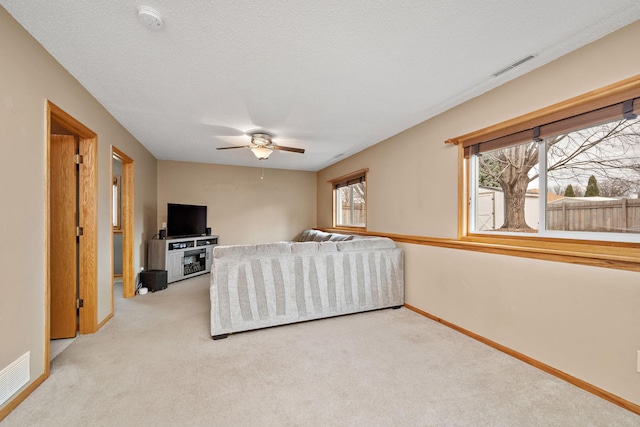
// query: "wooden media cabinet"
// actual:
[[182, 257]]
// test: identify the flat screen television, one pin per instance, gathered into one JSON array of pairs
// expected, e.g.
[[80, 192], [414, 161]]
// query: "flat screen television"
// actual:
[[186, 220]]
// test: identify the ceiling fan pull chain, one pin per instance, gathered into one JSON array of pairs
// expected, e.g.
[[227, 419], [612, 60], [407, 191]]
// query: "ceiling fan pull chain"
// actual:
[[262, 163]]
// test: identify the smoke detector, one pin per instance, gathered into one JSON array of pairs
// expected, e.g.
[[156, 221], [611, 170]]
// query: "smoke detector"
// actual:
[[149, 17]]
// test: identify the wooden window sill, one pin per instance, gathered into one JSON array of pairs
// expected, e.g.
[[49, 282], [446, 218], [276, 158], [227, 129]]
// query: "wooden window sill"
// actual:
[[348, 229]]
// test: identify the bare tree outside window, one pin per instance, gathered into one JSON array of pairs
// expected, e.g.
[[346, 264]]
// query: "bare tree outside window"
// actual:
[[510, 168]]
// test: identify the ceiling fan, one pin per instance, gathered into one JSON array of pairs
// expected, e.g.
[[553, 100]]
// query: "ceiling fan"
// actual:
[[262, 146]]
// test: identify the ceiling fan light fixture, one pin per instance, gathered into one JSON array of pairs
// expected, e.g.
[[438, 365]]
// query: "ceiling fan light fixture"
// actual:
[[262, 153], [261, 139]]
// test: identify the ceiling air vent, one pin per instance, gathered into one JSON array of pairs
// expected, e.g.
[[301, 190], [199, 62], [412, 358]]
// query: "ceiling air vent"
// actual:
[[512, 66]]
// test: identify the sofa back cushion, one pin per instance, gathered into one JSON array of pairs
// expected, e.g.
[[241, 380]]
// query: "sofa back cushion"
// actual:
[[336, 237], [314, 236], [304, 248], [321, 236], [374, 243], [261, 249]]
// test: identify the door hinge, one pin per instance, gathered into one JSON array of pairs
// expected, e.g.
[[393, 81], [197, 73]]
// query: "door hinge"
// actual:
[[79, 303], [79, 231], [78, 159]]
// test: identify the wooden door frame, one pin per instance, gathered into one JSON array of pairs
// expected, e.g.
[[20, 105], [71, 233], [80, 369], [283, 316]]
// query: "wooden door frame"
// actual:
[[88, 200], [126, 186]]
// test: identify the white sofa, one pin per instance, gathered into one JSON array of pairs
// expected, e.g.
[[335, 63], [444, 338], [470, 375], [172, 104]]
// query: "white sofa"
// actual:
[[326, 274]]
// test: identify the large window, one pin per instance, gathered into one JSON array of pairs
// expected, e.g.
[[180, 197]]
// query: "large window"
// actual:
[[350, 200], [591, 179], [570, 172]]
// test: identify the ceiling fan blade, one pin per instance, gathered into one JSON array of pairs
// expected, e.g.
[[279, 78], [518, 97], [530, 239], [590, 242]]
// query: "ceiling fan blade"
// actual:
[[230, 148], [293, 150], [222, 130]]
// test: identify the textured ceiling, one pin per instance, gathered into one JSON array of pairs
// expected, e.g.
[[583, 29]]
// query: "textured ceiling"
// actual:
[[332, 77]]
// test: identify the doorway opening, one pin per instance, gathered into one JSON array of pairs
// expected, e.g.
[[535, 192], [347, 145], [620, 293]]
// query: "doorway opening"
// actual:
[[71, 229], [122, 224]]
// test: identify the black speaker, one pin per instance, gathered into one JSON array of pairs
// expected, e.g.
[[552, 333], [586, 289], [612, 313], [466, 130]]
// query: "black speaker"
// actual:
[[163, 233], [208, 231], [154, 280]]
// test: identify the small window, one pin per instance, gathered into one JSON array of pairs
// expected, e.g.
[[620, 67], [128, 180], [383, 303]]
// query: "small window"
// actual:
[[350, 200]]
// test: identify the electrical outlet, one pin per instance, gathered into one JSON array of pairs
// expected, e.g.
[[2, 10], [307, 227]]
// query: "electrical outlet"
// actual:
[[638, 362], [164, 225], [141, 268]]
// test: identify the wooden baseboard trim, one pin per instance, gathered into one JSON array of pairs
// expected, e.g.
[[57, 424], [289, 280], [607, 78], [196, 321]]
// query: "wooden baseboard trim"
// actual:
[[535, 363], [21, 397], [106, 319]]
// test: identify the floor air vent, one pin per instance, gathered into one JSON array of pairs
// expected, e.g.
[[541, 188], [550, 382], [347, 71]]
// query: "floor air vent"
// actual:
[[14, 377]]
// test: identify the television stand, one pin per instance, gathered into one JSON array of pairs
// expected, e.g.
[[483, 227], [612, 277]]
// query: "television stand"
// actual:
[[183, 257]]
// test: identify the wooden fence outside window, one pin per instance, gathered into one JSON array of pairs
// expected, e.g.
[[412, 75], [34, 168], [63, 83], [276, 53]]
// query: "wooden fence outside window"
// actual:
[[620, 216]]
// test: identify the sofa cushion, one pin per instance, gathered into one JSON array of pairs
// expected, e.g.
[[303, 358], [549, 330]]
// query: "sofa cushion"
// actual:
[[305, 248], [234, 251], [337, 237], [261, 249], [374, 243], [313, 248], [313, 236], [275, 249], [327, 247], [321, 236], [306, 236]]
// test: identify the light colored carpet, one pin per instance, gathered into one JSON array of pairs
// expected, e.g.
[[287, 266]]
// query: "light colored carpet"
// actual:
[[155, 364]]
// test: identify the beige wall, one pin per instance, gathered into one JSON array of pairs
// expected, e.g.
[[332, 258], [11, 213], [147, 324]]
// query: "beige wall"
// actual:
[[242, 208], [581, 320], [28, 77]]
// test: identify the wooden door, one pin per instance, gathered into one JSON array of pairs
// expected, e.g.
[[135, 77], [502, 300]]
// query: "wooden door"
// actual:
[[63, 261]]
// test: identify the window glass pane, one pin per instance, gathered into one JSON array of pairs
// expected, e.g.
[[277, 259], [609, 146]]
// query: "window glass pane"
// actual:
[[351, 205], [359, 217], [593, 179], [342, 206], [506, 189]]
